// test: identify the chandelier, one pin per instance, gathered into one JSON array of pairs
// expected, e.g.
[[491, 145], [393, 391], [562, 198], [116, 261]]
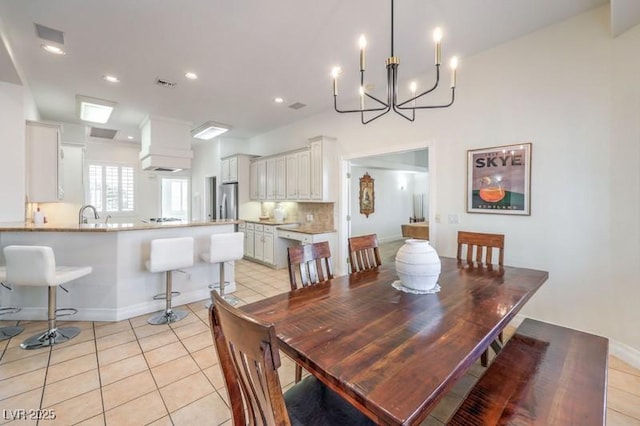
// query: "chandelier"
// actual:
[[406, 109]]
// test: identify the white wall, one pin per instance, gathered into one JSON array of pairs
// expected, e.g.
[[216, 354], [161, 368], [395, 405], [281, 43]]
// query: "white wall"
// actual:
[[12, 146], [393, 206], [572, 91], [205, 163]]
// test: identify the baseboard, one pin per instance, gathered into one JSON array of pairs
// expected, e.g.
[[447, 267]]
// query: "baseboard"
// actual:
[[390, 238], [109, 314], [625, 352], [618, 349]]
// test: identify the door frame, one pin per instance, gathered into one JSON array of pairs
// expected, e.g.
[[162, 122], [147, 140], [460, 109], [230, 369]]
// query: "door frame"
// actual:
[[344, 207]]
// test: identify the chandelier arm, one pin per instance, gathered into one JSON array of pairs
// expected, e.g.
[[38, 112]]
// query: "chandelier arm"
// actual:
[[453, 97], [400, 113], [377, 100], [394, 80], [389, 99], [335, 106], [435, 85], [373, 118]]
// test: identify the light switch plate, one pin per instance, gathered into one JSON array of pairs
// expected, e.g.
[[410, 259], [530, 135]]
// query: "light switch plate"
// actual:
[[453, 219]]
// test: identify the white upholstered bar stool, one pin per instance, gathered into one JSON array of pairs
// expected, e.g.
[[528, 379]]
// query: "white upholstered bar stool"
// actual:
[[9, 331], [36, 266], [224, 249], [168, 255]]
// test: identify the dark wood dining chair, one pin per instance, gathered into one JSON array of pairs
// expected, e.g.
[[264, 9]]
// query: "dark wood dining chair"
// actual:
[[311, 262], [483, 245], [364, 253], [249, 358]]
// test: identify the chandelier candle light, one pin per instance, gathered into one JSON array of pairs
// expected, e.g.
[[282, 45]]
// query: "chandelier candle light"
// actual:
[[392, 102]]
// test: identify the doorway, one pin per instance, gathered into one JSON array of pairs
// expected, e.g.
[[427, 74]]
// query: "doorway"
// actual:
[[211, 198], [404, 187]]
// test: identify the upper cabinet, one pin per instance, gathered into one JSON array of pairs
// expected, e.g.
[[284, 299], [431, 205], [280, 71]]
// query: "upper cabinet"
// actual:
[[323, 168], [305, 175], [44, 163], [229, 169], [241, 170]]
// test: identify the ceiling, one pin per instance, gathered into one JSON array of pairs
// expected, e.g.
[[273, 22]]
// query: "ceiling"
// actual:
[[246, 52]]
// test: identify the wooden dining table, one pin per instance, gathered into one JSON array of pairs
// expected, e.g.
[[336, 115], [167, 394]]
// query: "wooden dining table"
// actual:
[[393, 354]]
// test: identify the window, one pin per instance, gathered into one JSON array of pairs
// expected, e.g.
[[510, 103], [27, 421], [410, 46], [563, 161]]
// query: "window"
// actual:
[[175, 198], [111, 188]]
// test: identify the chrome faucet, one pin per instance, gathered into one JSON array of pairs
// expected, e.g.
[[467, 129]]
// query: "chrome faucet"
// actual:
[[81, 218]]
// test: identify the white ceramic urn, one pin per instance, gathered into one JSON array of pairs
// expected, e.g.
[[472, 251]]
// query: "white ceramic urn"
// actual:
[[418, 265]]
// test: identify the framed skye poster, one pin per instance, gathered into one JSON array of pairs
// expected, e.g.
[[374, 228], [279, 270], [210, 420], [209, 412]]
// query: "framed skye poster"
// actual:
[[499, 180]]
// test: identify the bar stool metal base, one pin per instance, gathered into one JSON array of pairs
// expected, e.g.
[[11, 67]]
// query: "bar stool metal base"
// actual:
[[230, 299], [50, 338], [9, 332], [167, 317]]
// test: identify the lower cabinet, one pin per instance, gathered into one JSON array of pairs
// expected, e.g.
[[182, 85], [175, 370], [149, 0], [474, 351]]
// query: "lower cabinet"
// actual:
[[262, 244]]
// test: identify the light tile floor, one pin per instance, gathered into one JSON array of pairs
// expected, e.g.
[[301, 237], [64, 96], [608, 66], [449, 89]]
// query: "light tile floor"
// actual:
[[132, 373]]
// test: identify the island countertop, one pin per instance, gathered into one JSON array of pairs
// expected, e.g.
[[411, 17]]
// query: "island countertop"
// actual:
[[108, 227]]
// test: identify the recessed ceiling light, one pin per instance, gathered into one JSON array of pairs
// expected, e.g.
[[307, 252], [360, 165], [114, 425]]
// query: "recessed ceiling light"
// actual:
[[191, 75], [278, 100], [209, 130], [53, 49], [94, 110], [111, 78], [130, 138]]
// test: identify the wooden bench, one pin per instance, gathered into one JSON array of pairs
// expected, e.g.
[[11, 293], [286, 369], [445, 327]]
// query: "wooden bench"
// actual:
[[545, 375]]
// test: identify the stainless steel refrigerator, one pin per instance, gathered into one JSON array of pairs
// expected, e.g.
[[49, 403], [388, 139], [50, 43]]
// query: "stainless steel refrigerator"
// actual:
[[228, 201]]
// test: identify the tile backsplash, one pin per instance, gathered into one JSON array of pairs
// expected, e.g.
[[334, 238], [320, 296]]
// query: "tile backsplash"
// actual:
[[320, 215]]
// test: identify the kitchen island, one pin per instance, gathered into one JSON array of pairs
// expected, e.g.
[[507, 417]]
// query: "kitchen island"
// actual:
[[119, 287]]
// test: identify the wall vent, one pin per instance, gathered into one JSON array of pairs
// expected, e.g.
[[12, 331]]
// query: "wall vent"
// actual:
[[297, 105], [102, 133], [49, 34], [165, 83]]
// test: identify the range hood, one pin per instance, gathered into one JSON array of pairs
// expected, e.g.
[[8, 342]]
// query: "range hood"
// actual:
[[165, 144]]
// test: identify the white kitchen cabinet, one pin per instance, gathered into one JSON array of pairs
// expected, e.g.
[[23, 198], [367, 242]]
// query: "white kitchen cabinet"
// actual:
[[304, 175], [266, 248], [248, 230], [297, 176], [43, 158], [229, 169], [281, 178], [308, 174], [253, 178], [292, 176], [271, 179], [258, 242], [261, 172], [249, 243], [323, 168]]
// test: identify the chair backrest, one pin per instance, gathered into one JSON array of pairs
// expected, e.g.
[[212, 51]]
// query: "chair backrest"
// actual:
[[249, 358], [313, 261], [30, 265], [168, 254], [483, 244], [226, 247], [364, 253]]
